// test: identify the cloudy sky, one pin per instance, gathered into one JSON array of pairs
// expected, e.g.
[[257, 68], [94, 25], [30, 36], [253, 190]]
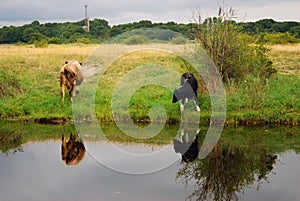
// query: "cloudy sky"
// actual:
[[19, 12]]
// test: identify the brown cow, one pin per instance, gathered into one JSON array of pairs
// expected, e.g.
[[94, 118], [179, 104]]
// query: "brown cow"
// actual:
[[70, 76], [72, 150]]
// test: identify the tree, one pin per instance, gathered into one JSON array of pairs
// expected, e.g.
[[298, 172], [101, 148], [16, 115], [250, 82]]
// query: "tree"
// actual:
[[295, 31], [99, 28], [222, 39], [28, 34], [10, 34]]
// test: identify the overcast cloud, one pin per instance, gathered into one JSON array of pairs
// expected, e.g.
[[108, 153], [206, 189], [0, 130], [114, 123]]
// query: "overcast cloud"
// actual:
[[18, 12]]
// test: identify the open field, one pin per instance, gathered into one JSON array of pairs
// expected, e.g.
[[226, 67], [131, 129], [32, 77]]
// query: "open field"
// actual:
[[29, 86], [286, 58]]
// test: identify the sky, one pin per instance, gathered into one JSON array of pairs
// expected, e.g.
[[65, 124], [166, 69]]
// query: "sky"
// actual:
[[19, 12]]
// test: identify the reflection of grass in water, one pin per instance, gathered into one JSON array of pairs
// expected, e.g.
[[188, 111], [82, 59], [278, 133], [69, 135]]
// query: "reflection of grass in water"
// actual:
[[10, 142], [114, 134], [273, 140]]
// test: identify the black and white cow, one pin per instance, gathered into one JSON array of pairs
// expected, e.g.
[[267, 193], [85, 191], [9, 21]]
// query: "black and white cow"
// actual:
[[188, 89]]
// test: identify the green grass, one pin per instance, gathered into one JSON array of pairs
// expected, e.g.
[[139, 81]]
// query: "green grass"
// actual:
[[277, 102], [33, 80], [29, 87], [144, 98]]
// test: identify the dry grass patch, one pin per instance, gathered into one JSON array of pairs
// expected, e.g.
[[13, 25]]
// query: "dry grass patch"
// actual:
[[286, 58]]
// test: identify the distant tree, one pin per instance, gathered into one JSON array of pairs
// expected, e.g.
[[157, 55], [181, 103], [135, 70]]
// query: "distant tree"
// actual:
[[10, 34], [35, 23], [116, 30], [142, 24], [265, 25], [99, 28], [28, 33], [284, 26], [295, 31]]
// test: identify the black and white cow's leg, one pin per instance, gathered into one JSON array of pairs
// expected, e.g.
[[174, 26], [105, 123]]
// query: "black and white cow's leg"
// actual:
[[196, 104], [186, 138], [181, 105], [179, 135], [186, 100]]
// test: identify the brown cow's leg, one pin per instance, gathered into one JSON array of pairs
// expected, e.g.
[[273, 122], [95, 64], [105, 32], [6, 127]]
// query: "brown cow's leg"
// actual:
[[62, 95], [62, 88], [71, 93], [63, 148]]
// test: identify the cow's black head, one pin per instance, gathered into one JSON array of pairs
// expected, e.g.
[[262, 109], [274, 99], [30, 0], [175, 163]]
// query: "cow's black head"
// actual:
[[186, 77]]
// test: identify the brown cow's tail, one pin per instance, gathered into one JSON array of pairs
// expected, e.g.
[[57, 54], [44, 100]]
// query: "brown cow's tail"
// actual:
[[62, 81]]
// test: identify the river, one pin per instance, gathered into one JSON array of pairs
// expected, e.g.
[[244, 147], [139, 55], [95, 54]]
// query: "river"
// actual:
[[246, 164]]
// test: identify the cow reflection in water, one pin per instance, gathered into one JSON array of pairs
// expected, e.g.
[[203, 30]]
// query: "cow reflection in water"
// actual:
[[72, 150], [186, 143]]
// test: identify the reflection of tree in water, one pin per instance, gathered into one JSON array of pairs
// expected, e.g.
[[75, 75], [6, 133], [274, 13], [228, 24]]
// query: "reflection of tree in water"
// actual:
[[225, 172]]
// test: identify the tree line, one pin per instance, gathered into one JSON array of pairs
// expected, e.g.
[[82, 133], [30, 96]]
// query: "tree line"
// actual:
[[266, 30]]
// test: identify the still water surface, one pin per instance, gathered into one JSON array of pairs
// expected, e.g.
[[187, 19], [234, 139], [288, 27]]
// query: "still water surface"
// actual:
[[247, 164]]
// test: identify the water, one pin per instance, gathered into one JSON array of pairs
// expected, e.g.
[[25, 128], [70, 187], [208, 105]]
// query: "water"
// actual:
[[247, 164]]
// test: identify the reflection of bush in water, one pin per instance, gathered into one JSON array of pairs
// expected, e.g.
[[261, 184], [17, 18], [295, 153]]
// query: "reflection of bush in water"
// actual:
[[225, 172], [10, 141]]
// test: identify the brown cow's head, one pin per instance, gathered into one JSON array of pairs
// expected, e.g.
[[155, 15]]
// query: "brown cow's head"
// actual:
[[72, 150]]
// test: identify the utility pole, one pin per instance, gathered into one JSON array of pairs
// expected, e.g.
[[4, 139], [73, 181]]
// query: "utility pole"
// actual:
[[87, 21]]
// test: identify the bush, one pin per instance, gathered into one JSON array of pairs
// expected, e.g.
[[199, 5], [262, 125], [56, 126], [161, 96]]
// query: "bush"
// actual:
[[179, 40], [41, 43], [83, 40], [279, 38], [136, 39], [234, 56], [54, 40]]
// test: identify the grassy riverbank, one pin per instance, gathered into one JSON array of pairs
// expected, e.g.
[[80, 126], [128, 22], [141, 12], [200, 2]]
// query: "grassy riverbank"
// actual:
[[29, 87]]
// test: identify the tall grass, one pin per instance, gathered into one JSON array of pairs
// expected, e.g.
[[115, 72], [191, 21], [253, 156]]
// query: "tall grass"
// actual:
[[253, 102]]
